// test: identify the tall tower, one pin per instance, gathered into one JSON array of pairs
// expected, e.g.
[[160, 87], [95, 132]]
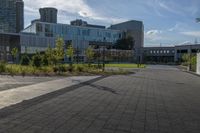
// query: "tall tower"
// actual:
[[11, 16], [48, 14]]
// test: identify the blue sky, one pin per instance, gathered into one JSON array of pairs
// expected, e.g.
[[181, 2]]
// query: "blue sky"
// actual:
[[170, 22]]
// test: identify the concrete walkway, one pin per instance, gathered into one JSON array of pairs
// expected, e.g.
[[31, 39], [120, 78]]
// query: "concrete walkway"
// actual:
[[151, 101], [17, 95]]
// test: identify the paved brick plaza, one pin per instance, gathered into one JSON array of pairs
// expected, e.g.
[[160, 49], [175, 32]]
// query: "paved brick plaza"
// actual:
[[150, 101]]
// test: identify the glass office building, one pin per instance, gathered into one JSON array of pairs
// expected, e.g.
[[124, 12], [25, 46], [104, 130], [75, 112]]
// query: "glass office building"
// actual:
[[11, 16], [39, 35]]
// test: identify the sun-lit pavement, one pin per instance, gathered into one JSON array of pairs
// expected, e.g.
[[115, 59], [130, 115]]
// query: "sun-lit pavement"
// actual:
[[16, 95], [150, 101], [9, 82]]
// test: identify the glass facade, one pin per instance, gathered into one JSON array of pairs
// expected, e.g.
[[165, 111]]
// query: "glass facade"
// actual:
[[11, 16]]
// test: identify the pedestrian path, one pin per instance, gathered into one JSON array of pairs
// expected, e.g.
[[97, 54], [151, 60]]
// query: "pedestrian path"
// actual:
[[17, 95]]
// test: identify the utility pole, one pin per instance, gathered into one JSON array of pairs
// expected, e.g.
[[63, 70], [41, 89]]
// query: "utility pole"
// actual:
[[104, 53]]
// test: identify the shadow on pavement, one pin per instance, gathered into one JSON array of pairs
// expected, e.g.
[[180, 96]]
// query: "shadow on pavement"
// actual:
[[29, 103]]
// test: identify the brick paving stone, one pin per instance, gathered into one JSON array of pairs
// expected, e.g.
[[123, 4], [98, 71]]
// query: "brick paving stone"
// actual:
[[150, 101]]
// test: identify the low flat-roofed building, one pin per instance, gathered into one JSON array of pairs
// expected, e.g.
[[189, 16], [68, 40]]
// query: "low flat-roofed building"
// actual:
[[8, 41]]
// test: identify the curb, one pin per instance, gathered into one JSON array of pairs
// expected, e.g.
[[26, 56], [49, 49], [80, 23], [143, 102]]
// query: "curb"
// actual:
[[191, 73]]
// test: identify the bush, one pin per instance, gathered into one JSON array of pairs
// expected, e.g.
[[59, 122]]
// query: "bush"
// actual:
[[70, 68], [62, 68], [25, 60], [80, 68], [37, 60], [2, 67], [45, 61]]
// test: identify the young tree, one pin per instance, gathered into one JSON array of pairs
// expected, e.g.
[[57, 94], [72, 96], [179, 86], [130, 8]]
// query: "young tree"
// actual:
[[70, 53], [25, 60], [14, 53], [59, 50], [50, 56], [37, 60], [89, 55], [186, 59]]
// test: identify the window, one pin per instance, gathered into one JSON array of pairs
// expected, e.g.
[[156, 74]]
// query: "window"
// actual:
[[39, 27], [47, 28]]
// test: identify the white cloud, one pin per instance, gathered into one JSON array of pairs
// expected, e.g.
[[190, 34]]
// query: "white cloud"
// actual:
[[184, 43], [153, 35], [191, 33], [76, 8]]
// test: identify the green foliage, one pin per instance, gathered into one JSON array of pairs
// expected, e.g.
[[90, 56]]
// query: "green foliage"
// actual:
[[14, 52], [60, 69], [70, 54], [25, 60], [59, 50], [125, 44], [186, 59], [189, 60], [45, 61], [50, 56], [193, 63], [37, 60], [80, 68], [89, 54], [2, 67]]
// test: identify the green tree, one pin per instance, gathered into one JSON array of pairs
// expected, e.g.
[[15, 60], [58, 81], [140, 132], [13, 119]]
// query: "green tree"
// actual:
[[25, 60], [50, 56], [37, 60], [186, 59], [59, 50], [70, 53], [14, 53], [89, 55]]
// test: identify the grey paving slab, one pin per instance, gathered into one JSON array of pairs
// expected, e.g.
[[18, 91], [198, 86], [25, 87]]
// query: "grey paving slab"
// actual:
[[17, 95], [150, 101]]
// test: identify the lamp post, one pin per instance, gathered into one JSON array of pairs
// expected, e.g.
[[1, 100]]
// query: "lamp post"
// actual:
[[104, 39], [190, 64]]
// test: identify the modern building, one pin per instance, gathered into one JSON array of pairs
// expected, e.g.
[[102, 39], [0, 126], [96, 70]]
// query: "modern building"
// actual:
[[79, 22], [168, 54], [39, 35], [11, 16], [48, 14], [158, 54], [8, 41], [134, 29]]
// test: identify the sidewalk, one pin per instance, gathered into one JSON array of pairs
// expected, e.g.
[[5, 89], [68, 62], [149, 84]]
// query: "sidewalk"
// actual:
[[17, 95]]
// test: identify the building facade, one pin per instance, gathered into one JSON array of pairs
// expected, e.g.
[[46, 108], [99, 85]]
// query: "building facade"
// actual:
[[168, 54], [48, 14], [134, 29], [40, 35], [79, 22], [11, 16], [8, 41]]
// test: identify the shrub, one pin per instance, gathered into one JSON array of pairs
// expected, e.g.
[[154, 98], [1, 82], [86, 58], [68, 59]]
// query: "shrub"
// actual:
[[45, 61], [80, 68], [2, 67], [70, 68], [37, 60], [25, 60], [62, 68]]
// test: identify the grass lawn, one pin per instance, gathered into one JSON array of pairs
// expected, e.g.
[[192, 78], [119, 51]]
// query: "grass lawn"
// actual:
[[125, 65]]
